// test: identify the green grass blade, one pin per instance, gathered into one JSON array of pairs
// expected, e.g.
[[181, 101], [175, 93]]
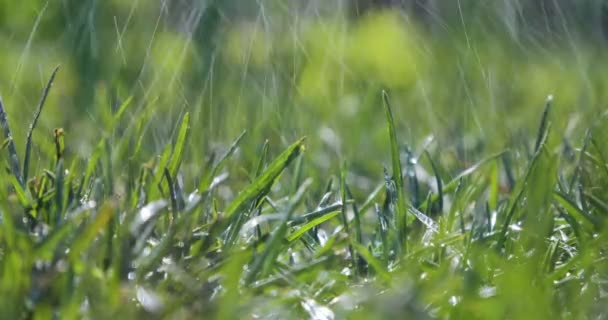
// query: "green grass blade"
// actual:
[[397, 175], [266, 179], [590, 222], [345, 222], [30, 132], [86, 237], [258, 189], [544, 122], [263, 262], [262, 161], [437, 181], [453, 184], [180, 143], [208, 176], [372, 261], [305, 218], [315, 222]]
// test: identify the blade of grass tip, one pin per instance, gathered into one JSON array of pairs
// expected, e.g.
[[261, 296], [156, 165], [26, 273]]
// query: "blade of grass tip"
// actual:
[[262, 160], [156, 187], [30, 132], [180, 143], [369, 202], [542, 129], [397, 175], [121, 110], [259, 187], [12, 150], [345, 217], [437, 181], [207, 178]]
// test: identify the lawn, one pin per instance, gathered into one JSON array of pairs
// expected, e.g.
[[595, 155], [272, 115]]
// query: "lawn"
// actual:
[[290, 160]]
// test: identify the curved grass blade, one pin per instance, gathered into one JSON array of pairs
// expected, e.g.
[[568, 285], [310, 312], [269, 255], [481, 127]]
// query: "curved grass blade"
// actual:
[[303, 229], [582, 217], [12, 150], [400, 210], [30, 132], [305, 218]]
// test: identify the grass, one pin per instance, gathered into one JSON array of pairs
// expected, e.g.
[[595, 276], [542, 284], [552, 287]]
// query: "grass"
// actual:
[[365, 189], [165, 249]]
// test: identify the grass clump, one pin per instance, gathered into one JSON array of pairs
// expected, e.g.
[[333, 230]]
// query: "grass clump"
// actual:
[[478, 246]]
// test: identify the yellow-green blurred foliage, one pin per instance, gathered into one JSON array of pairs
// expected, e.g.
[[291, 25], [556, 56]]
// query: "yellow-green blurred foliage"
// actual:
[[288, 70]]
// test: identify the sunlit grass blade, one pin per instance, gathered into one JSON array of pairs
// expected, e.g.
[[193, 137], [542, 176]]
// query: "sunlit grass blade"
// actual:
[[397, 176], [263, 183], [30, 132], [180, 143], [315, 222]]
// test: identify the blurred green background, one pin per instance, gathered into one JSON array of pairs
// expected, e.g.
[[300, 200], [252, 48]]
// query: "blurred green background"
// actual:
[[471, 74]]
